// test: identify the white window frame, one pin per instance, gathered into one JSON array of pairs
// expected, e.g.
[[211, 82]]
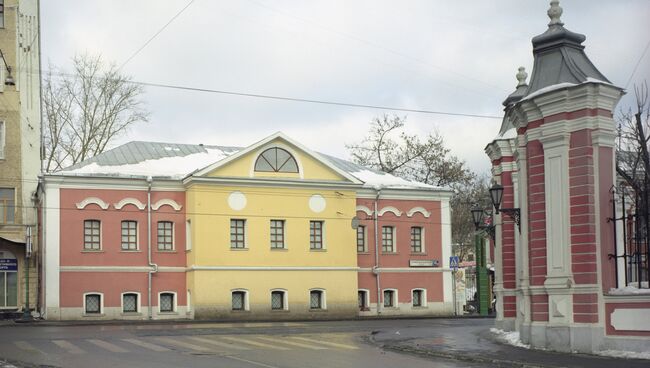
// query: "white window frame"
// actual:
[[246, 302], [175, 306], [285, 300], [100, 236], [394, 239], [366, 299], [422, 242], [245, 233], [188, 235], [395, 298], [173, 236], [423, 302], [365, 239], [284, 234], [137, 236], [323, 299], [101, 304], [138, 304], [322, 236]]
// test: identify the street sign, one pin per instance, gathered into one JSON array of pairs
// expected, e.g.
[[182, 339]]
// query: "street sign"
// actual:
[[8, 264], [453, 262], [423, 263]]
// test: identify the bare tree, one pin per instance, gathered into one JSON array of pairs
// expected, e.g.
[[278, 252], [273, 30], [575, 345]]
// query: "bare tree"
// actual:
[[389, 149], [86, 110]]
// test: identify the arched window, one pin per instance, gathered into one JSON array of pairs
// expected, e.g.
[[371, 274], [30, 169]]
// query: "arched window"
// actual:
[[276, 160]]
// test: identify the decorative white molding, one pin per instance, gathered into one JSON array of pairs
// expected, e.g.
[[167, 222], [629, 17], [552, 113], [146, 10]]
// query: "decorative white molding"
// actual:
[[364, 209], [267, 268], [119, 269], [317, 203], [92, 200], [421, 210], [169, 202], [237, 200], [141, 206], [392, 209], [631, 319]]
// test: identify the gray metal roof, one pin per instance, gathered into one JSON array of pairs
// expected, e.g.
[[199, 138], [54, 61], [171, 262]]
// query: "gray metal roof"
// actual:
[[559, 57]]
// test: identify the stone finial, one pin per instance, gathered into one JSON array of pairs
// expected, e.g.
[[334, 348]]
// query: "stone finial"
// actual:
[[521, 76], [555, 12]]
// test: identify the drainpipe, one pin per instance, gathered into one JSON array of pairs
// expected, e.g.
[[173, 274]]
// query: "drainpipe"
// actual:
[[375, 269], [153, 266]]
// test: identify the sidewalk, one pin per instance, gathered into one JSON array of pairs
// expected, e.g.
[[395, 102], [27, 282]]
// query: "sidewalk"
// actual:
[[475, 343]]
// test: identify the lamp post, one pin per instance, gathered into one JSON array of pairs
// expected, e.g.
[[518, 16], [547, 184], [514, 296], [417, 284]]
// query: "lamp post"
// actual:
[[481, 266], [496, 195]]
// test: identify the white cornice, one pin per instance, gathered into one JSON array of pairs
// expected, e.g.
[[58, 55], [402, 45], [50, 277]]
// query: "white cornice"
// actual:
[[255, 182], [270, 268], [111, 183]]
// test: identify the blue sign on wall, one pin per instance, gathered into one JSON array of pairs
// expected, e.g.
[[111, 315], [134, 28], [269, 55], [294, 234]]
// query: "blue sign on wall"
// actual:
[[7, 264]]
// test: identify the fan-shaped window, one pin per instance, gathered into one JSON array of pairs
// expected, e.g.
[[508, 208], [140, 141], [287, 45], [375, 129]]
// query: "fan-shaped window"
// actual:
[[276, 160]]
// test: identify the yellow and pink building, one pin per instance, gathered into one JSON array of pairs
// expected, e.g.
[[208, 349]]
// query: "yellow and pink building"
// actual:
[[272, 231]]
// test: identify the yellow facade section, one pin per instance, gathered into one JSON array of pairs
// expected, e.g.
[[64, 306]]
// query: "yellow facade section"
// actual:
[[310, 168]]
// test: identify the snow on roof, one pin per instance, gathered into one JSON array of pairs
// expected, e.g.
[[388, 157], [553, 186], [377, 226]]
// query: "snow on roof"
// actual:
[[557, 86], [174, 167], [378, 180]]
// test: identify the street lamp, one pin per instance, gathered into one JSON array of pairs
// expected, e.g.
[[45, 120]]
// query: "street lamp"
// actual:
[[496, 195], [479, 224]]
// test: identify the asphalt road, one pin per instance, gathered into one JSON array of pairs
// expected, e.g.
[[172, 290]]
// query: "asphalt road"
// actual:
[[246, 345]]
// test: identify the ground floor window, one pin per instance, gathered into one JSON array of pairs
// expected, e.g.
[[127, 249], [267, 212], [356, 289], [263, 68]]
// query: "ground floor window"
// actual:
[[238, 300], [316, 299], [166, 302], [389, 298], [129, 303], [362, 296], [278, 301], [418, 296], [8, 289], [93, 303]]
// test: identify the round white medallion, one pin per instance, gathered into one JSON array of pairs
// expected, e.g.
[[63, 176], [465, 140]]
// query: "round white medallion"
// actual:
[[237, 201], [317, 203]]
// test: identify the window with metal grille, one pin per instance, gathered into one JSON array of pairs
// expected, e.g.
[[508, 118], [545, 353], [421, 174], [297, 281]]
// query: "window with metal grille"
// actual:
[[93, 303], [7, 205], [276, 160], [277, 300], [237, 233], [316, 234], [361, 298], [277, 234], [165, 235], [389, 298], [417, 298], [166, 302], [387, 237], [361, 239], [129, 235], [92, 235], [238, 300], [129, 303], [316, 299], [416, 239]]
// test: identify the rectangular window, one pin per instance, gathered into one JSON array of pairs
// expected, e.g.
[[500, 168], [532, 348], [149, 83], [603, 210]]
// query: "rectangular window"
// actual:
[[237, 233], [129, 235], [361, 239], [387, 239], [389, 298], [7, 205], [416, 239], [165, 235], [166, 302], [130, 303], [277, 234], [93, 303], [316, 234], [92, 235], [238, 300], [417, 298], [277, 300], [361, 298], [316, 299]]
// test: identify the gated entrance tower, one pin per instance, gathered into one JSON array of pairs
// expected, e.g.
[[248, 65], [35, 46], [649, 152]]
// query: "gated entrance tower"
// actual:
[[554, 156]]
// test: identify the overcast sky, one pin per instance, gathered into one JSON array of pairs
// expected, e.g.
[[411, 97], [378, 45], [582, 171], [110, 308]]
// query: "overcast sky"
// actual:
[[450, 56]]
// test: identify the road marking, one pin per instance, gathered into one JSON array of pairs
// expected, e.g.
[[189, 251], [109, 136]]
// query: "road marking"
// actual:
[[68, 346], [186, 345], [249, 361], [254, 343], [107, 345], [24, 345], [219, 343], [333, 344], [293, 343], [146, 345]]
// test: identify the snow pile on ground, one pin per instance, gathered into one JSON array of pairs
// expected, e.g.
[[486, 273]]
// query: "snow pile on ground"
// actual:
[[631, 289], [378, 180], [624, 354], [175, 167], [511, 338]]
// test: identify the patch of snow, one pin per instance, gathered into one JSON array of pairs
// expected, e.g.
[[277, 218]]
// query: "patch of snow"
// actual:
[[176, 149], [624, 354], [631, 289], [594, 80], [550, 88], [372, 179], [511, 338], [508, 134], [175, 167]]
